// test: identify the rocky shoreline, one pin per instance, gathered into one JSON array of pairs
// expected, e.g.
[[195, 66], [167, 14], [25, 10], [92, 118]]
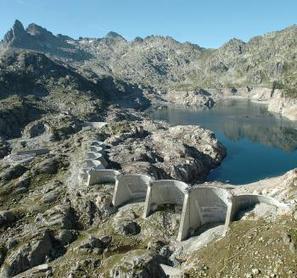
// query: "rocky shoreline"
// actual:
[[275, 99], [186, 153]]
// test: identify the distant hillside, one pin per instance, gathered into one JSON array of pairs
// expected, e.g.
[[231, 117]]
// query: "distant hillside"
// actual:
[[32, 74], [39, 39], [165, 64], [32, 85]]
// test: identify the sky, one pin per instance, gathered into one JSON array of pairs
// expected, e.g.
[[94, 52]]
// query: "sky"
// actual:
[[209, 23]]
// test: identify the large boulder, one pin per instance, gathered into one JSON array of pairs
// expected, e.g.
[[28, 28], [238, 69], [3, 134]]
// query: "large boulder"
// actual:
[[139, 263], [12, 172], [128, 227], [48, 166], [96, 245], [39, 250], [60, 217], [7, 217], [35, 129]]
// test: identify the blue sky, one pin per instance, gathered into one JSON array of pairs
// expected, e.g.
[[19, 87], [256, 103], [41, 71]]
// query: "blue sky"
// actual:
[[208, 23]]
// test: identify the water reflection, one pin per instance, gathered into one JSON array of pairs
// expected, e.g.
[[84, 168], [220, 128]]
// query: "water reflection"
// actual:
[[254, 138]]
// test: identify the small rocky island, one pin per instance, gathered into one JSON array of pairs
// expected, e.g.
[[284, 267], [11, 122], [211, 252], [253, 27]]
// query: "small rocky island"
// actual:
[[91, 186]]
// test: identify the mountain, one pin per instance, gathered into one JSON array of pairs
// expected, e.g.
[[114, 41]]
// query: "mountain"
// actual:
[[114, 35], [166, 64], [32, 85], [39, 39], [66, 74]]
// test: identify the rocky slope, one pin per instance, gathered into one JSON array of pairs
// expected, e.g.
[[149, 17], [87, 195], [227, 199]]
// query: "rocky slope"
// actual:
[[54, 225], [32, 86], [165, 64], [162, 69], [184, 153]]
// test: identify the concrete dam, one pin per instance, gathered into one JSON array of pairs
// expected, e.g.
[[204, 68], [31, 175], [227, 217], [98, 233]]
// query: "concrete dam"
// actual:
[[200, 204]]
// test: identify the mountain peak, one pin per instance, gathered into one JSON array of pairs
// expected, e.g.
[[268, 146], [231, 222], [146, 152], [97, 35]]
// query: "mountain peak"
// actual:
[[234, 45], [36, 30], [37, 38], [114, 35], [18, 25], [16, 33], [234, 41]]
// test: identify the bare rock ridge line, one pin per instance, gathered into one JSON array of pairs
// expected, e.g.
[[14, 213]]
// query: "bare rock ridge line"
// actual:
[[200, 204], [163, 69]]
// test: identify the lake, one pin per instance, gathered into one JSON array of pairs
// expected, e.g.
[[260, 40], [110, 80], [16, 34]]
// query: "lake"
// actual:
[[259, 144]]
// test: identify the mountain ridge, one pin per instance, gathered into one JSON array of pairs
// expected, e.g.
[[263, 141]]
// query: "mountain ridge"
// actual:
[[162, 63]]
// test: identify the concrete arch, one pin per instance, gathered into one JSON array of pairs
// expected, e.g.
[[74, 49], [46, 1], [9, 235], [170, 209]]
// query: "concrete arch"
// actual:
[[101, 176], [97, 143], [97, 149], [130, 187], [87, 166], [203, 205], [93, 164], [164, 192], [95, 124], [246, 201], [96, 156]]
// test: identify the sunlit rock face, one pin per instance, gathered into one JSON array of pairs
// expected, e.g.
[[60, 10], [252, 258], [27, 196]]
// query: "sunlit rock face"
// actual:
[[186, 153]]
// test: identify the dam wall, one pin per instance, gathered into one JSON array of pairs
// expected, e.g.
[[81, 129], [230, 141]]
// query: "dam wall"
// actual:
[[200, 205], [244, 202], [130, 188], [204, 205], [164, 192]]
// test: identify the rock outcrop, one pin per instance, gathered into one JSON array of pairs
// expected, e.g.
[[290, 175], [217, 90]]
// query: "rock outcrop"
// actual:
[[32, 254], [284, 106], [185, 153], [199, 98]]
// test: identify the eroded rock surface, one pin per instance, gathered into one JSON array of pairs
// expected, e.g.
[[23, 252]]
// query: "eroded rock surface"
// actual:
[[185, 153]]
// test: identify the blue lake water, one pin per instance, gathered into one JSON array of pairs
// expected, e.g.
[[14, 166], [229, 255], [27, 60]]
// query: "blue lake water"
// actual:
[[259, 144]]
